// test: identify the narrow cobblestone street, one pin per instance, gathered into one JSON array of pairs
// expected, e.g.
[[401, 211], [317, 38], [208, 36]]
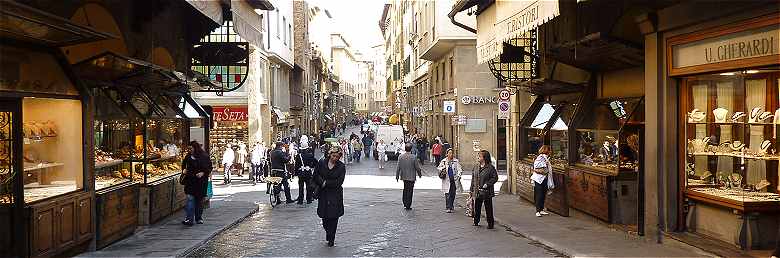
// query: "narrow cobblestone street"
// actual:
[[375, 224]]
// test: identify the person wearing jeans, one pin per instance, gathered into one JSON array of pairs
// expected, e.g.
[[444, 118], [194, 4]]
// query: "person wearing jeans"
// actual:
[[450, 184], [541, 178], [195, 174]]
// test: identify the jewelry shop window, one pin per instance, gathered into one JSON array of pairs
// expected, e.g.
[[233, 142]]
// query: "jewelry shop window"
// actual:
[[731, 131], [52, 150]]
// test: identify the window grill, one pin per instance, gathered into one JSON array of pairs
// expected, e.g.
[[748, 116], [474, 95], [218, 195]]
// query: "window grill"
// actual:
[[222, 57]]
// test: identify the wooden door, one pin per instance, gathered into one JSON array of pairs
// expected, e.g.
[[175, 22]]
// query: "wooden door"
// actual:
[[44, 235], [84, 218], [66, 223]]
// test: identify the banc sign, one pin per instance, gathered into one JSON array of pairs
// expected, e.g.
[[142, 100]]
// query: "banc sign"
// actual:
[[473, 100]]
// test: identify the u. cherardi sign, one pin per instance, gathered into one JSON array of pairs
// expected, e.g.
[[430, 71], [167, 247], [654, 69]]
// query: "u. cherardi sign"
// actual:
[[741, 45]]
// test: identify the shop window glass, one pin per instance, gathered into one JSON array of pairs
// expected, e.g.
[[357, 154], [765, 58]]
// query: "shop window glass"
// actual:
[[609, 135], [53, 151], [731, 138]]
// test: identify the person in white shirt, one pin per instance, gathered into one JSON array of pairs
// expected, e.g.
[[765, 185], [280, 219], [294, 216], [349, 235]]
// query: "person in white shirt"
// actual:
[[381, 148], [227, 161], [257, 160], [241, 156], [542, 178]]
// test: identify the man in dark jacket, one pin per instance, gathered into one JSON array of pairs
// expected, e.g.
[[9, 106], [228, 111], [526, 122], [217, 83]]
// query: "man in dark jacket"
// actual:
[[408, 166], [305, 163], [328, 177], [367, 142], [196, 169], [279, 159]]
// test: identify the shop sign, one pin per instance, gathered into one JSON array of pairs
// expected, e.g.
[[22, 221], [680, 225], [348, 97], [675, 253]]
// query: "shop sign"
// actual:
[[503, 109], [750, 43], [736, 46], [466, 100], [231, 114], [458, 120], [510, 20], [476, 126], [449, 106]]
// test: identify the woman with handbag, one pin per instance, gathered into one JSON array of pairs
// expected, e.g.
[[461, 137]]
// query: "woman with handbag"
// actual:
[[542, 178], [381, 149], [196, 170], [482, 187], [328, 178], [450, 172]]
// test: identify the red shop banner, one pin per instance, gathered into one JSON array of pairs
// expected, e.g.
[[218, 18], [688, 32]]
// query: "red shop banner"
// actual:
[[231, 114]]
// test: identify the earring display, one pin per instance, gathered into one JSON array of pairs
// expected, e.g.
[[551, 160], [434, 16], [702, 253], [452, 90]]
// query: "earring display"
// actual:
[[737, 146], [764, 116], [720, 115], [696, 116], [737, 116], [777, 116], [754, 114]]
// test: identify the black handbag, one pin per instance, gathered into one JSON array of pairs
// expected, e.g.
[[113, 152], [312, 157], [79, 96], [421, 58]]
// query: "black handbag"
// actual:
[[443, 173]]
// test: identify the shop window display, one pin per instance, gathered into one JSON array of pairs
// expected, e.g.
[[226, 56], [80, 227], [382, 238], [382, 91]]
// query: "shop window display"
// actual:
[[731, 137], [608, 138], [52, 151], [560, 109]]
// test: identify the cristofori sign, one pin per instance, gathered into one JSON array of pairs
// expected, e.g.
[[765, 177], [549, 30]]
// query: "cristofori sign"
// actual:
[[467, 100]]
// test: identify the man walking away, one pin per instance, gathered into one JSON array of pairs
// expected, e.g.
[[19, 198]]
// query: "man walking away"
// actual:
[[367, 143], [304, 168], [279, 160], [257, 159], [408, 166]]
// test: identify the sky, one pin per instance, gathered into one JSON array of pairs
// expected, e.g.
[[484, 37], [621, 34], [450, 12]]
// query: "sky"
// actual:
[[358, 20]]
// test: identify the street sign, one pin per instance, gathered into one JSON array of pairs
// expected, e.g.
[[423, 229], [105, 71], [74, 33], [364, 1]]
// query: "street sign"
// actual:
[[503, 109], [449, 106], [504, 95]]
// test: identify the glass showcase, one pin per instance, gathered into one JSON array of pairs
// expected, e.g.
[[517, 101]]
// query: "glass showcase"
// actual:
[[731, 135], [542, 130], [52, 147], [608, 137]]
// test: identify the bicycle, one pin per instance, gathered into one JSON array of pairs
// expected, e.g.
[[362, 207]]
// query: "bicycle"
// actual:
[[274, 185]]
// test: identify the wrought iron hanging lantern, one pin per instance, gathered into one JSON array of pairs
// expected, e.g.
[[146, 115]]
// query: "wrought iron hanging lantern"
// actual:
[[518, 60]]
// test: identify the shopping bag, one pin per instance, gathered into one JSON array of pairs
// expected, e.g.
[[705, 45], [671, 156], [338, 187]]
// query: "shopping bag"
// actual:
[[210, 189], [469, 206]]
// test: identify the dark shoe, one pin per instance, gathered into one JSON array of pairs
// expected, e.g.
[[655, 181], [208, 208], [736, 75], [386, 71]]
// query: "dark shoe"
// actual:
[[407, 208], [299, 203], [308, 202], [490, 227], [476, 225], [331, 244], [187, 222], [200, 221], [278, 202]]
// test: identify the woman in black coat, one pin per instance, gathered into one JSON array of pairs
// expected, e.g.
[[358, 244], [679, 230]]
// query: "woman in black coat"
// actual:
[[482, 188], [328, 178], [196, 169]]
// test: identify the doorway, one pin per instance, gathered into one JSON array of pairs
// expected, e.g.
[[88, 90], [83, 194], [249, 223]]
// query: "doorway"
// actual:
[[501, 144]]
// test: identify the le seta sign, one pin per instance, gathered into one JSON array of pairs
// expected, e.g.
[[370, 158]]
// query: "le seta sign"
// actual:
[[231, 114]]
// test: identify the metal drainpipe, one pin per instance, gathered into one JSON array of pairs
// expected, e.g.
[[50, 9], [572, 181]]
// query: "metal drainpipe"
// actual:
[[464, 26]]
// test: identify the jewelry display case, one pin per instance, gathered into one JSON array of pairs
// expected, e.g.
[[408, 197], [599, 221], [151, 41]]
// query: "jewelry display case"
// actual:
[[548, 122], [604, 179], [731, 139]]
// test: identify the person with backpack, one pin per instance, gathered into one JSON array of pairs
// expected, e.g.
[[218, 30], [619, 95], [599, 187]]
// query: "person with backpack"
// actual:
[[305, 162], [436, 151]]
